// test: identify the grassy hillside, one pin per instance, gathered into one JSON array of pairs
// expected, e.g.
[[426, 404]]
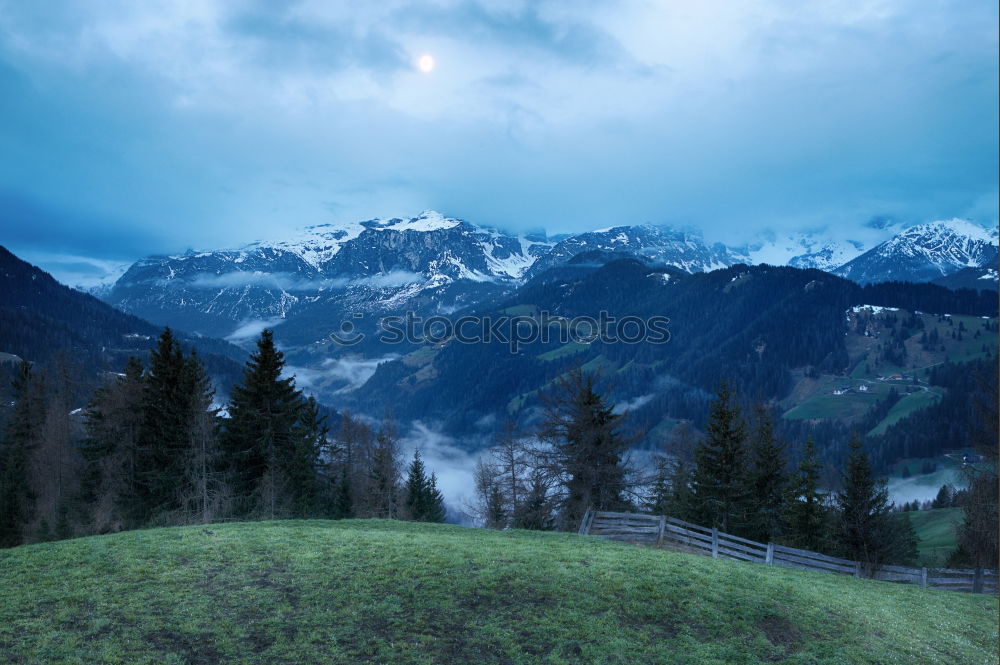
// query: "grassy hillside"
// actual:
[[936, 532], [815, 398], [386, 592]]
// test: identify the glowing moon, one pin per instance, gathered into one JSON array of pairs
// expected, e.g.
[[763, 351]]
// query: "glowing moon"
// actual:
[[426, 63]]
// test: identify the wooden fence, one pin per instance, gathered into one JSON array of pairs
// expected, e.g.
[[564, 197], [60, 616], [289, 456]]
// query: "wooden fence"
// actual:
[[660, 531]]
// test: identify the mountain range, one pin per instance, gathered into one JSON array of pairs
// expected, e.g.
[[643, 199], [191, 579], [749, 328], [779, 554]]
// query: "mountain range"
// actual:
[[320, 279], [782, 334], [432, 264]]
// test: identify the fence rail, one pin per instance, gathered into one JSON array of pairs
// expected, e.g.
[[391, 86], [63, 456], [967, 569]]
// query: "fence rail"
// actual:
[[659, 531]]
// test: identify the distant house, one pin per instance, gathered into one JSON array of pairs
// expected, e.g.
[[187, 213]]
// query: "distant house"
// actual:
[[896, 377], [842, 390], [863, 387]]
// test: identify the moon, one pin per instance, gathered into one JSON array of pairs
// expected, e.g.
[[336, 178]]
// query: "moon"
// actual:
[[426, 63]]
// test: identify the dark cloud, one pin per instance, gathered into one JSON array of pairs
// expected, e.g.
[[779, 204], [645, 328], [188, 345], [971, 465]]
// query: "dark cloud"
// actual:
[[279, 39], [577, 43], [26, 222], [132, 129]]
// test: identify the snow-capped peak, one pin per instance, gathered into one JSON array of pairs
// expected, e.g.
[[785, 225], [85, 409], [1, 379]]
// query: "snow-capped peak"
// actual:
[[954, 226], [925, 252], [428, 220]]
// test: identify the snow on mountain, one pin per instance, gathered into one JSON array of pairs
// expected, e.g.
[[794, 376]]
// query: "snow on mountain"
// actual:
[[217, 291], [432, 262], [682, 248], [925, 252], [429, 220], [801, 250]]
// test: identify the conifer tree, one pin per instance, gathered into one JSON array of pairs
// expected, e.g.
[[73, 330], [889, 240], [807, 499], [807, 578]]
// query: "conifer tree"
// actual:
[[342, 506], [435, 510], [492, 506], [979, 531], [719, 481], [588, 448], [272, 439], [535, 511], [671, 492], [16, 448], [766, 479], [204, 494], [416, 489], [165, 431], [805, 516], [383, 475], [113, 420], [866, 529]]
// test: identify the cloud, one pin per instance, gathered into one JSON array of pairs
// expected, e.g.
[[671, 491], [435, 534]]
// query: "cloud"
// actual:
[[237, 279], [249, 329], [390, 279], [292, 282], [923, 488], [453, 466], [280, 38], [134, 128], [354, 371], [83, 272], [634, 404]]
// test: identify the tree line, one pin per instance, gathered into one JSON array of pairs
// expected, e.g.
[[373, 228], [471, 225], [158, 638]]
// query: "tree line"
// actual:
[[735, 477], [153, 448]]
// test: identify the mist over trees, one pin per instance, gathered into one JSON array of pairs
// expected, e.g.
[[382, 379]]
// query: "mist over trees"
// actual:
[[154, 447], [735, 477], [151, 448]]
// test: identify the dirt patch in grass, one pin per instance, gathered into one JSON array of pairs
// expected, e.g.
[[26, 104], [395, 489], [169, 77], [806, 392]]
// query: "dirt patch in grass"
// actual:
[[197, 650], [780, 632]]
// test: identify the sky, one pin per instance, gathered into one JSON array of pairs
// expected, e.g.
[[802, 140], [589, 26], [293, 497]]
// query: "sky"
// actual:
[[129, 129]]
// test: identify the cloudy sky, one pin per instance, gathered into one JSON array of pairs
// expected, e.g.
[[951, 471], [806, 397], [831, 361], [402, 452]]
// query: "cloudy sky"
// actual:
[[131, 128]]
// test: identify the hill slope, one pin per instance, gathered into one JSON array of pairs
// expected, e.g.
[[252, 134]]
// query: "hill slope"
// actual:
[[388, 592], [39, 318]]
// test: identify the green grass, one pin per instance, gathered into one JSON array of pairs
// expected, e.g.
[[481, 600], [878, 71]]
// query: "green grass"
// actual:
[[827, 405], [936, 534], [521, 310], [395, 593], [906, 405], [568, 349]]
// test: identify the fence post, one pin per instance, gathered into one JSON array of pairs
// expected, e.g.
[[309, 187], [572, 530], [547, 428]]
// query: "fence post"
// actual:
[[663, 529], [715, 543], [769, 557], [977, 581], [857, 569], [923, 577], [585, 524]]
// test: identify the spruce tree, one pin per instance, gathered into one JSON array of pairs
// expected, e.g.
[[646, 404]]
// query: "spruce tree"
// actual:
[[114, 418], [535, 511], [435, 510], [588, 448], [204, 494], [805, 516], [383, 475], [343, 504], [272, 439], [165, 430], [719, 481], [300, 468], [416, 489], [20, 439], [866, 531], [492, 506], [766, 479]]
